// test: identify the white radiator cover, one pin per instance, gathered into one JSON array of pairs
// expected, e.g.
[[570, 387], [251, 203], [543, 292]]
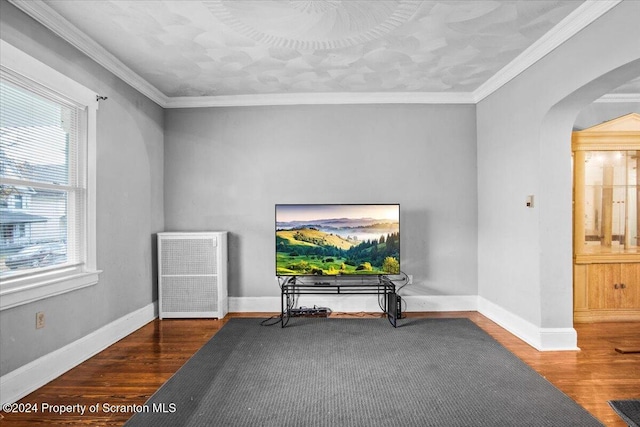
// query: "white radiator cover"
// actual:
[[192, 274]]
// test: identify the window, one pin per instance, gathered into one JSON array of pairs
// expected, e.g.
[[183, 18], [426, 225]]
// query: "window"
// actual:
[[47, 181]]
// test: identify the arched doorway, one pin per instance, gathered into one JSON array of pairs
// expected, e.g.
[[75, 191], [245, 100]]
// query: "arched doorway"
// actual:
[[556, 218], [606, 250]]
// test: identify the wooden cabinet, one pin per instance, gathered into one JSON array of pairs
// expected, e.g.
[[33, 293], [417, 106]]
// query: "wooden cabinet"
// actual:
[[606, 226], [613, 286], [607, 292]]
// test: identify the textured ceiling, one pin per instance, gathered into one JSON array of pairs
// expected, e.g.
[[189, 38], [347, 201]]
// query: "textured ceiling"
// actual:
[[218, 47], [198, 53]]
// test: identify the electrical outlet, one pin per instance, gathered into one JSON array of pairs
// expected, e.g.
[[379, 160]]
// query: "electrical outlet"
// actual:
[[40, 320]]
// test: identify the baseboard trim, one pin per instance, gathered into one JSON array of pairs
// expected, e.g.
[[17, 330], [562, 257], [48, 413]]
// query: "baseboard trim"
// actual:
[[606, 315], [355, 303], [440, 303], [337, 303], [254, 304], [22, 381], [542, 339]]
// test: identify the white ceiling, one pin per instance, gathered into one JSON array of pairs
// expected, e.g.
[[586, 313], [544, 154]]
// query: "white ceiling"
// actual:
[[206, 51]]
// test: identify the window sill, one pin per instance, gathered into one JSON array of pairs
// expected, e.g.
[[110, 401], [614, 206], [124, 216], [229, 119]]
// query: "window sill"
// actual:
[[44, 286]]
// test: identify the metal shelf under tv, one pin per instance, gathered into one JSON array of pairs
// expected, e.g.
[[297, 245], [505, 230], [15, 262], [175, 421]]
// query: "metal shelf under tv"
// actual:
[[381, 286]]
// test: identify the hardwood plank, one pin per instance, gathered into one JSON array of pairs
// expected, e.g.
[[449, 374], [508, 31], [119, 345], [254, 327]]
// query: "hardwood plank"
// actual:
[[131, 370]]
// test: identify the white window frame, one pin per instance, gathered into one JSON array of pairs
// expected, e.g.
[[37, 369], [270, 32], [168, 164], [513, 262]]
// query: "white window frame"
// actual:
[[30, 288]]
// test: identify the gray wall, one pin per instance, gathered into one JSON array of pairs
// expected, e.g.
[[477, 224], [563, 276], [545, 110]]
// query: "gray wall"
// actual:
[[129, 204], [226, 168], [524, 135]]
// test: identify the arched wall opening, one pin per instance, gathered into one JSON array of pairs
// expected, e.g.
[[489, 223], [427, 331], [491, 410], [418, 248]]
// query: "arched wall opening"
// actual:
[[555, 153]]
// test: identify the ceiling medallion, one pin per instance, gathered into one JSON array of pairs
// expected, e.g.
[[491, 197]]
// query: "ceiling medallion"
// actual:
[[312, 25], [314, 6]]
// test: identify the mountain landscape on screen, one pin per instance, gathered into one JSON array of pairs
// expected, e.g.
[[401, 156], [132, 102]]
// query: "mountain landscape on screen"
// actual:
[[337, 239]]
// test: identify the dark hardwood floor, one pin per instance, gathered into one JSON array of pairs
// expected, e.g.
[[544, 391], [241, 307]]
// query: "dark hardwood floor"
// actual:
[[128, 372]]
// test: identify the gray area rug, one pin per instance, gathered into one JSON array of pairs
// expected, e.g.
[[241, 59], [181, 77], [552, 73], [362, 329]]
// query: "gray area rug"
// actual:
[[357, 372], [629, 411]]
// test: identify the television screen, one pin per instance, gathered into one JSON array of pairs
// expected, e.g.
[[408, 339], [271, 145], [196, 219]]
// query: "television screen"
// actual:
[[334, 239]]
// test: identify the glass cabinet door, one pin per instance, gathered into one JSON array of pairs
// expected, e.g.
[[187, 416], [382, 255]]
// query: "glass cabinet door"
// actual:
[[610, 201]]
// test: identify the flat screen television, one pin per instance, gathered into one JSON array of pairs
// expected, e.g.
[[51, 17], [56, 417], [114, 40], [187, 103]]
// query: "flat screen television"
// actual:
[[337, 239]]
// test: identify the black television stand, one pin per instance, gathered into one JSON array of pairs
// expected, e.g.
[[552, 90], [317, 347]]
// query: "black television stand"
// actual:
[[294, 286]]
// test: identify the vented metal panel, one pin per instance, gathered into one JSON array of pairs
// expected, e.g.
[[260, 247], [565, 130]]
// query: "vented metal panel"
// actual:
[[182, 294], [188, 256], [192, 278]]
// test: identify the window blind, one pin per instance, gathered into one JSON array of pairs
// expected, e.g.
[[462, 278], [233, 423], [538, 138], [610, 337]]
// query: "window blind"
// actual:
[[42, 178]]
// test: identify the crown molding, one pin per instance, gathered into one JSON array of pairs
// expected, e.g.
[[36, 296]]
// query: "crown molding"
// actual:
[[51, 19], [321, 98], [582, 16], [620, 97]]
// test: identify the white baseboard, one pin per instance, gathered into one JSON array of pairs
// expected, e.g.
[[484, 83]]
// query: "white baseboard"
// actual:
[[337, 303], [254, 304], [356, 303], [440, 303], [542, 339], [22, 381]]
